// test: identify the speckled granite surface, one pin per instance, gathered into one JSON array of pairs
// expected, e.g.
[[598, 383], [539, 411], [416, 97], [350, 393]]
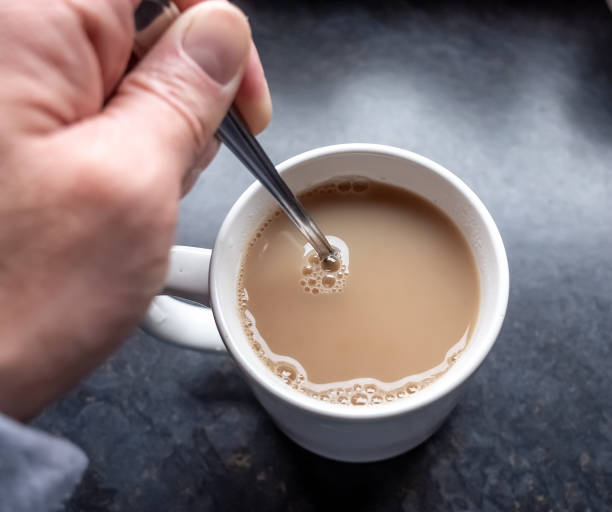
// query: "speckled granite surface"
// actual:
[[517, 100]]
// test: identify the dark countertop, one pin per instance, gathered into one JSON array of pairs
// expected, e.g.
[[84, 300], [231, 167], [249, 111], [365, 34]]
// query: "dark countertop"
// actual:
[[516, 99]]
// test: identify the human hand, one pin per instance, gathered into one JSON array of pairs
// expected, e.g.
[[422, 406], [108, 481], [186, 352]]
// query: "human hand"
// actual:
[[92, 168]]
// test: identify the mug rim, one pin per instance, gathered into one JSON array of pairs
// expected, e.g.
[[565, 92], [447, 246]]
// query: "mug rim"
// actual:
[[446, 383]]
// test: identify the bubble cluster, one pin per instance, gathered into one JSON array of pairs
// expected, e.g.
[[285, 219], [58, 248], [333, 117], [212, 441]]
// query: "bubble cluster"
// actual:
[[260, 231], [344, 185], [366, 393], [316, 279]]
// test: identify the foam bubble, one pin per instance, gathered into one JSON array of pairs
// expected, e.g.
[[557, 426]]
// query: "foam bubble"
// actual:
[[286, 372], [329, 280], [359, 399], [360, 185], [412, 388]]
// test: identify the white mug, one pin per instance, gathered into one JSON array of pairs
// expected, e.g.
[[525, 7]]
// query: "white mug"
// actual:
[[342, 432]]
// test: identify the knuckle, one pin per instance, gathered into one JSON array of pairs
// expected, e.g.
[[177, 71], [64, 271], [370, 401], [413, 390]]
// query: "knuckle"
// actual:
[[96, 184]]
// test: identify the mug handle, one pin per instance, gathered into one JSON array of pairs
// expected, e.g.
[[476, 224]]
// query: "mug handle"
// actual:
[[178, 322]]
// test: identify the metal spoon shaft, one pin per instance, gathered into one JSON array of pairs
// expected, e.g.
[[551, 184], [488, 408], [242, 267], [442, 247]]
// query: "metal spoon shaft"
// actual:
[[236, 136]]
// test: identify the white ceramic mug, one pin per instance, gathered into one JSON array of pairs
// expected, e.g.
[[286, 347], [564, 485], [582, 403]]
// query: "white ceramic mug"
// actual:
[[347, 433]]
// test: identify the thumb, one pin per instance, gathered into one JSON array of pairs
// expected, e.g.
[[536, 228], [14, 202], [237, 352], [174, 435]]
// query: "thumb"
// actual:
[[171, 104]]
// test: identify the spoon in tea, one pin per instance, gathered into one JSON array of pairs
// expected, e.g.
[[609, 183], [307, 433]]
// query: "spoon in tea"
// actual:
[[234, 133]]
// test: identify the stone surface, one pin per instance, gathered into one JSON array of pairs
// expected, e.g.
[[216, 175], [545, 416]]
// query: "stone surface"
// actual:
[[515, 98]]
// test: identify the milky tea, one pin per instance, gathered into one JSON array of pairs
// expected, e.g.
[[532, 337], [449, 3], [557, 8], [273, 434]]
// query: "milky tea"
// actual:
[[394, 315]]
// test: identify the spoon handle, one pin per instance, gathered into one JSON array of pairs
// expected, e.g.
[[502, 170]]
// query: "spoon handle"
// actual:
[[152, 18], [237, 137]]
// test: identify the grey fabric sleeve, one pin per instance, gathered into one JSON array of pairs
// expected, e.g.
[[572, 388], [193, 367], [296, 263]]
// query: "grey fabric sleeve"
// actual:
[[38, 471]]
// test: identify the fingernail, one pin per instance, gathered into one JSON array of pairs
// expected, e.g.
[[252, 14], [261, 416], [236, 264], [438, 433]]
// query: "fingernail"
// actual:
[[217, 39]]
